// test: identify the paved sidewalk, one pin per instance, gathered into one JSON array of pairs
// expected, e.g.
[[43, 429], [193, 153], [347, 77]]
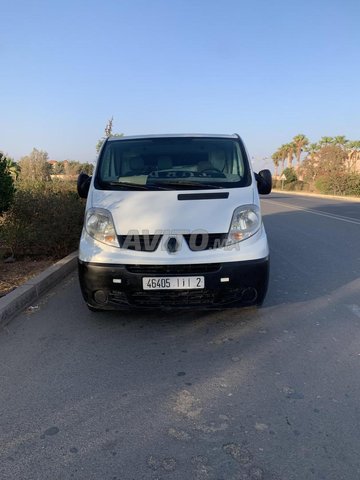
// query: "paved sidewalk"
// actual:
[[20, 298]]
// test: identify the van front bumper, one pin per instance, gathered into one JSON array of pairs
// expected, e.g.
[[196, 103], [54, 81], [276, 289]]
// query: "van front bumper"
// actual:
[[227, 285]]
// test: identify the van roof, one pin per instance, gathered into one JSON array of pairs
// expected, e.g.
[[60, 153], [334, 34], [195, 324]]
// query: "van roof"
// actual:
[[176, 135]]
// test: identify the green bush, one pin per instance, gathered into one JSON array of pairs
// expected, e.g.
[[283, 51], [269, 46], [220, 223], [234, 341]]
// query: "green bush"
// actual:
[[297, 186], [45, 219], [323, 185], [352, 184], [345, 184], [7, 188], [290, 175]]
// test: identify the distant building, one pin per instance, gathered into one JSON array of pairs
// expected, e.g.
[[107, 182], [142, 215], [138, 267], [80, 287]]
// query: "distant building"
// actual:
[[353, 161], [53, 163]]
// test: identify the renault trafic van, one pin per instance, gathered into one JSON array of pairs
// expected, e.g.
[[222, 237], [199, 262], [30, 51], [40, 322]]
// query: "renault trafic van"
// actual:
[[173, 221]]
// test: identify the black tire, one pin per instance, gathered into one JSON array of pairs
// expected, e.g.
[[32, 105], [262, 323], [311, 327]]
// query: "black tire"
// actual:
[[93, 309]]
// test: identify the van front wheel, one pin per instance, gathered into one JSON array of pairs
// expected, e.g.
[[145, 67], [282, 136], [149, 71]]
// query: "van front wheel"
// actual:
[[93, 309]]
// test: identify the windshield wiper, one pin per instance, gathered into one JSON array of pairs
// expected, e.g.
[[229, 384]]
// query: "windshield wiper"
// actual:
[[135, 186], [186, 184]]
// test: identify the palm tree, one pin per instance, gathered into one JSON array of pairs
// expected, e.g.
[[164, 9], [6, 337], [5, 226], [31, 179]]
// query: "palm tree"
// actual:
[[282, 154], [341, 141], [313, 147], [325, 141], [299, 141], [276, 159], [12, 167], [289, 149]]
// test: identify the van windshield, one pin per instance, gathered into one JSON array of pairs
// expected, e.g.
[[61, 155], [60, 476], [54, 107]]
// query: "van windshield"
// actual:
[[172, 163]]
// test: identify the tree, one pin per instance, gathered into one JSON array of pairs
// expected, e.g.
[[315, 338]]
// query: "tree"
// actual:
[[313, 147], [108, 128], [330, 168], [108, 133], [71, 167], [309, 168], [341, 141], [324, 141], [7, 188], [299, 141], [283, 156], [35, 166], [290, 175], [276, 159], [87, 168], [289, 150], [13, 168], [58, 168]]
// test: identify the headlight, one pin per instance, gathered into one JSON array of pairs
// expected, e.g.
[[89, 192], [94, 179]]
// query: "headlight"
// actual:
[[246, 221], [99, 225]]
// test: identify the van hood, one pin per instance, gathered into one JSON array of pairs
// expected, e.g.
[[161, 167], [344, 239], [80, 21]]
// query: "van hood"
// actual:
[[154, 211]]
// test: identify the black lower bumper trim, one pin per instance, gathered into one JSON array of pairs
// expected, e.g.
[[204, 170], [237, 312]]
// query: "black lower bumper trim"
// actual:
[[231, 284]]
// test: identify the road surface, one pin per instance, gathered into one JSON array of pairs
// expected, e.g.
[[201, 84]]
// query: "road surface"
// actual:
[[268, 394]]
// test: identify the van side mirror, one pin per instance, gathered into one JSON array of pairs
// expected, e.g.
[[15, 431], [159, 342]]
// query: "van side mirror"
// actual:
[[83, 185], [264, 182]]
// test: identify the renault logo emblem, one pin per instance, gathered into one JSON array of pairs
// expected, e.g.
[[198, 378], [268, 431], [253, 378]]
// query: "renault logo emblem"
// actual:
[[172, 245]]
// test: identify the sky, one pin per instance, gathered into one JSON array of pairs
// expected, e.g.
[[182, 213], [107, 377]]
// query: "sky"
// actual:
[[265, 69]]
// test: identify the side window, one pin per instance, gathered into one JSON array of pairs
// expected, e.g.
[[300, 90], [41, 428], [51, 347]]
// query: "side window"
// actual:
[[238, 161], [108, 171]]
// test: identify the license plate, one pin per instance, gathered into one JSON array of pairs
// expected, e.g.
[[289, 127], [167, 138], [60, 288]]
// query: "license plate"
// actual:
[[173, 283]]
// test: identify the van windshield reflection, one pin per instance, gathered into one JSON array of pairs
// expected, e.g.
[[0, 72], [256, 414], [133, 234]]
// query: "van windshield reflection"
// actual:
[[173, 163]]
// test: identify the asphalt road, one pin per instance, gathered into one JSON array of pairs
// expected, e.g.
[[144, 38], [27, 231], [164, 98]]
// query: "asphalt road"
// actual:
[[236, 395]]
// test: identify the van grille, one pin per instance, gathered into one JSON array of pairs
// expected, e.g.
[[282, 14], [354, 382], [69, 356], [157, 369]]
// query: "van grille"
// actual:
[[181, 298], [140, 243], [162, 299], [205, 241], [197, 242], [169, 298]]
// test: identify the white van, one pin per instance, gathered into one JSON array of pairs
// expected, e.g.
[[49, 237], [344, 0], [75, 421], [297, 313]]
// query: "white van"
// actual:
[[173, 221]]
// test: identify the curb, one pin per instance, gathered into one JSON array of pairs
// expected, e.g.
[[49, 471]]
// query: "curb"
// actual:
[[20, 298], [317, 195]]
